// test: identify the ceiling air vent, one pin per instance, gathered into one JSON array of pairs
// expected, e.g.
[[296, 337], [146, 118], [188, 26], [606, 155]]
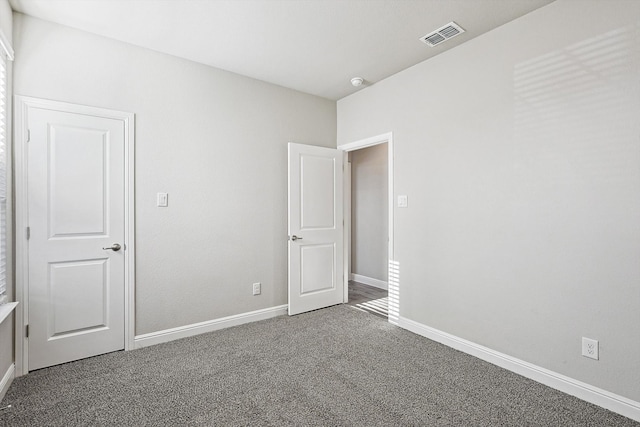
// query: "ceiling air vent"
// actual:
[[441, 34]]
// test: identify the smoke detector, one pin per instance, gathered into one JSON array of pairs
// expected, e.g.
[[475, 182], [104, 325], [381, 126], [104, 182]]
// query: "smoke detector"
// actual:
[[357, 81], [442, 34]]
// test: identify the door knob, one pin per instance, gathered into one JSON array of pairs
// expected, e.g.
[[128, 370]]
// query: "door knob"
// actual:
[[115, 247], [294, 238]]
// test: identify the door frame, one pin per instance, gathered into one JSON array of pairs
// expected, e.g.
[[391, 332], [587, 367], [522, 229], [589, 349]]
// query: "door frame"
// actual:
[[21, 134], [353, 146]]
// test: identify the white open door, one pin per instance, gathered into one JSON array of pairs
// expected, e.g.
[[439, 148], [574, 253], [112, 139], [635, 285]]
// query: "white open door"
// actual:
[[316, 228]]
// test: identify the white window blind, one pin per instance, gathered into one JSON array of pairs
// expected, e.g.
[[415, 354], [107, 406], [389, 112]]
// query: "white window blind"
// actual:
[[3, 171]]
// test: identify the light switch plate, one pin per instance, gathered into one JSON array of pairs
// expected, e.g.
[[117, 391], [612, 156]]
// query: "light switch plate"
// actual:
[[403, 201], [257, 288], [163, 200]]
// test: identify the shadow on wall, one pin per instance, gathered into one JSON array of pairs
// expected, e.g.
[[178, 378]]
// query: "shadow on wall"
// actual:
[[576, 94]]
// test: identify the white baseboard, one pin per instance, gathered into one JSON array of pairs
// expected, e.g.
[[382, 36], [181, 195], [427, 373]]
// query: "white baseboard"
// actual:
[[584, 391], [6, 380], [369, 281], [167, 335]]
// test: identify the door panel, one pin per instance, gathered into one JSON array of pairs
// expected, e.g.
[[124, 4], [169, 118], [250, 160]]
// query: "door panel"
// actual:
[[77, 188], [318, 268], [78, 293], [76, 201], [316, 220], [317, 194]]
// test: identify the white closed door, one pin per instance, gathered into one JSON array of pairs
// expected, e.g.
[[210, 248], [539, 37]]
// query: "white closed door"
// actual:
[[75, 195], [316, 228]]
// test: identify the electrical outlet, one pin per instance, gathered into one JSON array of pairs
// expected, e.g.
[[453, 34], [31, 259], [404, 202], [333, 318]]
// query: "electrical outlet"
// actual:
[[590, 348], [256, 289]]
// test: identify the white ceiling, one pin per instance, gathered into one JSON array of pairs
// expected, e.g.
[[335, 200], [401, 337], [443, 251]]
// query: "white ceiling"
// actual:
[[314, 46]]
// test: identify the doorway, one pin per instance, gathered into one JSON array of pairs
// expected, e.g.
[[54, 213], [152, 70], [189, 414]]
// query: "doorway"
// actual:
[[369, 225], [74, 201]]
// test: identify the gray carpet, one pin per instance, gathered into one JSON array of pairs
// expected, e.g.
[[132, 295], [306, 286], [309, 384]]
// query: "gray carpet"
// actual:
[[333, 367]]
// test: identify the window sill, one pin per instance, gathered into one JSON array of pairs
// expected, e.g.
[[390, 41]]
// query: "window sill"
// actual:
[[6, 309]]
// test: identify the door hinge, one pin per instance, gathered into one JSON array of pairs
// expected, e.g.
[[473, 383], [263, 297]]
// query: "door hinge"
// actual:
[[28, 231], [28, 135], [26, 332]]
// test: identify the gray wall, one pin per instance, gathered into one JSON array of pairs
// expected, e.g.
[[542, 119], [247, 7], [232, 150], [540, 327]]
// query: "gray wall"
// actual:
[[6, 346], [6, 328], [370, 212], [215, 141], [520, 154], [6, 21]]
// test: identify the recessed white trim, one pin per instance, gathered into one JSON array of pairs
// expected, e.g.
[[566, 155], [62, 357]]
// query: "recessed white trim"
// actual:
[[167, 335], [129, 232], [370, 281], [584, 391], [6, 46], [367, 142], [347, 227], [6, 309], [21, 108], [357, 145], [7, 378]]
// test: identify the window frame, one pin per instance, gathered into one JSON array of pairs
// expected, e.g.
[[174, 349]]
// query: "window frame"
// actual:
[[6, 58]]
